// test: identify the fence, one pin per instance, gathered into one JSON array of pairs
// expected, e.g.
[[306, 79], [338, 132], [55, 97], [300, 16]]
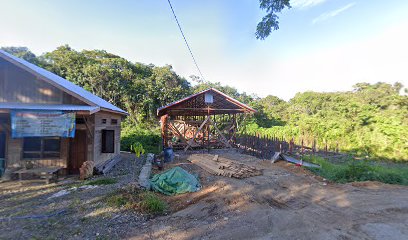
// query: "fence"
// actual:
[[264, 147]]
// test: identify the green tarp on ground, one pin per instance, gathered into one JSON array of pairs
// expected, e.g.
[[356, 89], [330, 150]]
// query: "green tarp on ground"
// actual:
[[175, 181]]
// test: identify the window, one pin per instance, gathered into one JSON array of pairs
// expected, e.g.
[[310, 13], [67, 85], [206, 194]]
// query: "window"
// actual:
[[114, 121], [108, 141], [79, 121], [37, 148], [104, 121]]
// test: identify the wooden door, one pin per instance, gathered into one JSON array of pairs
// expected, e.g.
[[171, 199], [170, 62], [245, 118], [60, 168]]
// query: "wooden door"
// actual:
[[77, 152]]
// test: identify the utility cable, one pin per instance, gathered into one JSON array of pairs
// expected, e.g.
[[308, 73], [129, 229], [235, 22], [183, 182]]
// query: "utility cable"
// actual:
[[185, 40]]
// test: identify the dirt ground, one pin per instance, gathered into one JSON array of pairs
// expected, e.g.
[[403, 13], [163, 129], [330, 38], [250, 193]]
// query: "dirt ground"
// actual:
[[286, 202], [28, 210]]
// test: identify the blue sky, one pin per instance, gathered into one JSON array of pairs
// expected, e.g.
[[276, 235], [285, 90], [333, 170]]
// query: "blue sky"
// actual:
[[322, 45]]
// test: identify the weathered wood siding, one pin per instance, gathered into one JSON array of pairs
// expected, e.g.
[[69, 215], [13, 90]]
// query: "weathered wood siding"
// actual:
[[20, 86], [98, 156], [14, 154]]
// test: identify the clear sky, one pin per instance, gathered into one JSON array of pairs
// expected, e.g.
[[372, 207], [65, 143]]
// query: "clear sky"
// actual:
[[322, 45]]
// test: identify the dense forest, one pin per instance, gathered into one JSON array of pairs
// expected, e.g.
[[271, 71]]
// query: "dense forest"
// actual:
[[370, 120]]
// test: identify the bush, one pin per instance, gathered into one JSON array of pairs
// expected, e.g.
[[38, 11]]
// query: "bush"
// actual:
[[149, 138], [355, 170]]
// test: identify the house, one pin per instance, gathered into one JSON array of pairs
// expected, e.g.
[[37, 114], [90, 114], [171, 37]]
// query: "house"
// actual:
[[208, 119], [47, 121]]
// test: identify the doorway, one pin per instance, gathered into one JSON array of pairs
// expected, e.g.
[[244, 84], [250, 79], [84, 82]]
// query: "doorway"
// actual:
[[77, 151]]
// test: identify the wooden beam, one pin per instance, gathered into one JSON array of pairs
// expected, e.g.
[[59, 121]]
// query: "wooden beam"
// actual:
[[178, 132], [225, 141], [196, 133]]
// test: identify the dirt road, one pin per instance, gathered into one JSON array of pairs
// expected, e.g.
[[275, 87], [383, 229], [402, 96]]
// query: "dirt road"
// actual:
[[286, 202]]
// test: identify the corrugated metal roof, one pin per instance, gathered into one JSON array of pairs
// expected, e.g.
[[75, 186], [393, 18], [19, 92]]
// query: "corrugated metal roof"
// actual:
[[57, 107], [66, 85]]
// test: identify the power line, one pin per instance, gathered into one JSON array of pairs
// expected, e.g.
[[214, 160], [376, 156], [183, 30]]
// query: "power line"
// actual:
[[185, 40]]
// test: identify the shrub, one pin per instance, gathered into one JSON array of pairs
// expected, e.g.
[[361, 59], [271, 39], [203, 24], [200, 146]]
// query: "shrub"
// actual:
[[149, 138]]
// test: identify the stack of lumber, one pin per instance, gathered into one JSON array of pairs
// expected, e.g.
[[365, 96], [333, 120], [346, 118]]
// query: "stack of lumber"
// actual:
[[221, 166]]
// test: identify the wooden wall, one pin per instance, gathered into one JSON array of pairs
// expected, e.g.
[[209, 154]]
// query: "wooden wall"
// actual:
[[20, 86], [94, 127], [14, 154]]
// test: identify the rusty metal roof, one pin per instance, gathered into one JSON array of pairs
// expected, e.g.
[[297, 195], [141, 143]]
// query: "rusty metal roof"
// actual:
[[195, 105]]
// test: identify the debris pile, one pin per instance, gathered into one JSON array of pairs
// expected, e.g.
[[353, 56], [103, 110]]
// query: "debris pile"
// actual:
[[223, 167]]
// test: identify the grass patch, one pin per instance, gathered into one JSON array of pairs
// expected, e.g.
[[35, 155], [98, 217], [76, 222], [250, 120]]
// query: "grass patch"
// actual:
[[359, 170], [101, 181], [117, 200], [151, 203], [142, 201]]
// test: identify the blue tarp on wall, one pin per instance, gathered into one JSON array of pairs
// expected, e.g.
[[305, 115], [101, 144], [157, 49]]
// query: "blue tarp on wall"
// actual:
[[42, 124]]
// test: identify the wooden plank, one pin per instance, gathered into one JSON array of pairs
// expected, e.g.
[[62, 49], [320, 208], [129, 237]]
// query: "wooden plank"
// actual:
[[294, 160], [223, 167], [276, 157]]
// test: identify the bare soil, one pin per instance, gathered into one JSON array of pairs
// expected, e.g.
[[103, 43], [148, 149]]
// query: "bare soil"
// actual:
[[28, 210], [286, 202]]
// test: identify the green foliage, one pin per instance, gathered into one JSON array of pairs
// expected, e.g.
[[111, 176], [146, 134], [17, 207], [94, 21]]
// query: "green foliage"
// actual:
[[137, 148], [151, 203], [101, 181], [22, 52], [369, 121], [359, 170], [270, 20], [138, 88], [149, 137], [142, 201], [116, 200]]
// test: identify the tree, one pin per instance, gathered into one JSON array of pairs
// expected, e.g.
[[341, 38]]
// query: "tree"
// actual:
[[22, 52], [271, 20]]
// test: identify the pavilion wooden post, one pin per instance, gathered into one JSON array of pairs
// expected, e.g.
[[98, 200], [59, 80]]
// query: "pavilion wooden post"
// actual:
[[164, 122]]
